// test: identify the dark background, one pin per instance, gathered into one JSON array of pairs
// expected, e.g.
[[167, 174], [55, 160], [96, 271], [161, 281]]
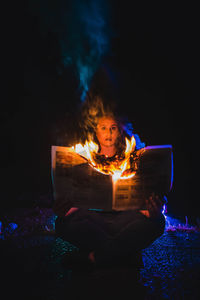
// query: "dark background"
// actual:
[[153, 65]]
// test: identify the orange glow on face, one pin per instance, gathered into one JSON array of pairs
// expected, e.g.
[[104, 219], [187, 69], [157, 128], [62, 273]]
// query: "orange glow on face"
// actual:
[[107, 132]]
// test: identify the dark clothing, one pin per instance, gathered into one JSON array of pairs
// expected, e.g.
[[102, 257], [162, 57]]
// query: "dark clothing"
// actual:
[[111, 235]]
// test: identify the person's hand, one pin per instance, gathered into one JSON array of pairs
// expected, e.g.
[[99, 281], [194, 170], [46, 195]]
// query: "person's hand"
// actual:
[[154, 205], [71, 210]]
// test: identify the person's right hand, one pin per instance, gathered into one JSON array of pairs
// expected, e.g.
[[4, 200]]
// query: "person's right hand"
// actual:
[[71, 210], [155, 205]]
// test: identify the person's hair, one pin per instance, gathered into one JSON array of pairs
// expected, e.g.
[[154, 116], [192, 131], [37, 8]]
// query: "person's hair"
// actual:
[[96, 107]]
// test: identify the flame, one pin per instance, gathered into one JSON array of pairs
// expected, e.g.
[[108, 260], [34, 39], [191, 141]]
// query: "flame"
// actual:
[[86, 150], [119, 169]]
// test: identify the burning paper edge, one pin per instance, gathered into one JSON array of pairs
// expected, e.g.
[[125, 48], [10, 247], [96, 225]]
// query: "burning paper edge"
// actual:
[[79, 149], [89, 147], [130, 147], [116, 176]]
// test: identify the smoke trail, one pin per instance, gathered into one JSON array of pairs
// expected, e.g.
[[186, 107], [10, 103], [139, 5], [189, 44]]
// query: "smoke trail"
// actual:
[[94, 42], [83, 31]]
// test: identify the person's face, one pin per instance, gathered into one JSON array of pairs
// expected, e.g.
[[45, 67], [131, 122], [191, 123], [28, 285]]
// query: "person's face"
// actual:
[[107, 131]]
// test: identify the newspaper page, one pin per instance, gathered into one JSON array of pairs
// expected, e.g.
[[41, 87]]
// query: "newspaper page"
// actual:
[[73, 177]]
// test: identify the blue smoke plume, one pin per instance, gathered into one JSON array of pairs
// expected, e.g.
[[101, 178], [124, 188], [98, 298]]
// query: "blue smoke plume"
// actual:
[[83, 31], [128, 128]]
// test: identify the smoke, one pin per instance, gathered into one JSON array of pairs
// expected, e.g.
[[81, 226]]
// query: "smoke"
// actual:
[[94, 42], [83, 31]]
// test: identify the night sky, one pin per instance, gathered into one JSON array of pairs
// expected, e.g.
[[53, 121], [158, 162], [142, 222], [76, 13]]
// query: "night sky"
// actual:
[[149, 56]]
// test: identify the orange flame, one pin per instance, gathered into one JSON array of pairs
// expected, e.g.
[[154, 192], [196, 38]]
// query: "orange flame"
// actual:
[[118, 169]]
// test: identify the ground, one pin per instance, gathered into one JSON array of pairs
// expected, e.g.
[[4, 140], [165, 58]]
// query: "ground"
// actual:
[[31, 263]]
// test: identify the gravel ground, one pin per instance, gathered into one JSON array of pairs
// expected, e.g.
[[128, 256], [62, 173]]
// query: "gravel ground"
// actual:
[[31, 268]]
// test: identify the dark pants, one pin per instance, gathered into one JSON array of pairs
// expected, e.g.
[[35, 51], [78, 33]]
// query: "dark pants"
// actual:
[[110, 235]]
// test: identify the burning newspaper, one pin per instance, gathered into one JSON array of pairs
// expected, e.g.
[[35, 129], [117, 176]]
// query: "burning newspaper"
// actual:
[[91, 184]]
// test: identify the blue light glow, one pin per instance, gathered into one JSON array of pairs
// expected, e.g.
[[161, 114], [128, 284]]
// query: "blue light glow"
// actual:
[[12, 226], [159, 146], [139, 143], [128, 128], [164, 211], [172, 171]]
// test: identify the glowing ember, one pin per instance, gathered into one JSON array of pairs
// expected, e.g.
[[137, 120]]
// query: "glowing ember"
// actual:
[[120, 167]]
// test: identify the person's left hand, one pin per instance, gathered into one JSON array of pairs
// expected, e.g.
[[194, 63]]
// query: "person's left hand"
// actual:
[[155, 205]]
